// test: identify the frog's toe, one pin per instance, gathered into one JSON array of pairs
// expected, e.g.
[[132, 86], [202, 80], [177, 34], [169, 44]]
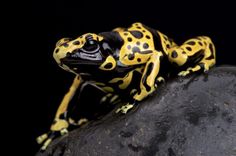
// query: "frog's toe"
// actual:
[[105, 98], [183, 73], [110, 98], [50, 136], [42, 138], [45, 145], [125, 109]]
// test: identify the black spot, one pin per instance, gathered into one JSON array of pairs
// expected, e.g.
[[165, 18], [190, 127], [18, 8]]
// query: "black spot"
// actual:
[[143, 31], [129, 39], [174, 54], [138, 43], [135, 49], [183, 52], [212, 52], [108, 65], [200, 43], [76, 42], [168, 46], [88, 37], [145, 45], [139, 60], [211, 47], [125, 33], [131, 56], [191, 43], [129, 46], [137, 34], [189, 48], [148, 37], [57, 50], [148, 72], [138, 27], [65, 44]]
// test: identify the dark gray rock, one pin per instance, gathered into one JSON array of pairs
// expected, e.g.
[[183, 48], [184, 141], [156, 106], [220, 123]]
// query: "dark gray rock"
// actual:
[[192, 116]]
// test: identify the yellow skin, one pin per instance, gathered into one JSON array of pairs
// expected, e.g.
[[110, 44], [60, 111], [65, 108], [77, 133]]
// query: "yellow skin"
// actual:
[[140, 50]]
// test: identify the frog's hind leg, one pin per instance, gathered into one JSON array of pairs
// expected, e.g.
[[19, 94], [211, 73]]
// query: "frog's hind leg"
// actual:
[[199, 51]]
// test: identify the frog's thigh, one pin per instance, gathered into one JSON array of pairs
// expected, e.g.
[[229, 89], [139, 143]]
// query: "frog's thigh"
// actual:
[[199, 48], [149, 76]]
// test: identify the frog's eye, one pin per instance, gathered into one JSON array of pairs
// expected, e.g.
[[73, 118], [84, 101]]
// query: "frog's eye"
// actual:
[[91, 46]]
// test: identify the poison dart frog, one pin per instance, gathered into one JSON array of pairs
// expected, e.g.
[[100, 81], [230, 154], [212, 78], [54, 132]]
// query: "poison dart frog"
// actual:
[[124, 61]]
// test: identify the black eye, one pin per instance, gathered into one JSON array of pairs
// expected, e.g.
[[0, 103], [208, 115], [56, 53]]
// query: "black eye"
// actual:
[[90, 46]]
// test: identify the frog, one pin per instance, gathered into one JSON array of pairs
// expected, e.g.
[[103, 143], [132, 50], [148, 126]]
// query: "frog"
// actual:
[[125, 62]]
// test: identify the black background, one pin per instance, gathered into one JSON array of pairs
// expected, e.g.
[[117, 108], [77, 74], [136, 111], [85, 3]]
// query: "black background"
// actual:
[[43, 83]]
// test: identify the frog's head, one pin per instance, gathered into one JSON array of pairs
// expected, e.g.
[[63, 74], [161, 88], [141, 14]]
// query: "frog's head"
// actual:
[[81, 54]]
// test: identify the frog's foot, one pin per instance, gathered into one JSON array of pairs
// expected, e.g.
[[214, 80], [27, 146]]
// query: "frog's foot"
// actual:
[[110, 98], [58, 128], [184, 73], [200, 66], [47, 138], [190, 70], [124, 109]]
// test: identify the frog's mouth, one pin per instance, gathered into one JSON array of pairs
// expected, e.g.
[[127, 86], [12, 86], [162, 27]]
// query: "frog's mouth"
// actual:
[[82, 60]]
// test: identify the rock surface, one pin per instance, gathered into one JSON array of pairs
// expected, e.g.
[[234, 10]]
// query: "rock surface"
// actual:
[[192, 116]]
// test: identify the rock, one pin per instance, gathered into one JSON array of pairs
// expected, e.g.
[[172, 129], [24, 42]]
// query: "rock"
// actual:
[[188, 116]]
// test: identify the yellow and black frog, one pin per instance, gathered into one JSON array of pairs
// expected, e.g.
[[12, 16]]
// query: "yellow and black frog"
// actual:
[[124, 61]]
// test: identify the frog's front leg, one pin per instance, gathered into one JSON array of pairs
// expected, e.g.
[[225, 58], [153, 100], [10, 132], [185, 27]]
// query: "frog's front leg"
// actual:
[[148, 81], [60, 123], [198, 51]]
